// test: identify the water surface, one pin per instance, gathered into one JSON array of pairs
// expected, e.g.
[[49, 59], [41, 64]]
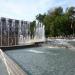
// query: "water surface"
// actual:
[[45, 61]]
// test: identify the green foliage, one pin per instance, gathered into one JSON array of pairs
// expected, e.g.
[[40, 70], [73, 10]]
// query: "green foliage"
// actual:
[[32, 26], [40, 17], [57, 22]]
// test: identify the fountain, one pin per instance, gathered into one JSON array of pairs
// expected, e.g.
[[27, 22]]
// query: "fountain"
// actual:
[[39, 32], [24, 34]]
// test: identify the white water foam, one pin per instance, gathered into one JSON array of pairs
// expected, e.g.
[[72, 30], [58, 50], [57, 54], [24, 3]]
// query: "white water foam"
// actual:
[[35, 51]]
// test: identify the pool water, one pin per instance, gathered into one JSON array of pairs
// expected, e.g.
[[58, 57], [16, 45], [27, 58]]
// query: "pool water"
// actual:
[[45, 61], [3, 69]]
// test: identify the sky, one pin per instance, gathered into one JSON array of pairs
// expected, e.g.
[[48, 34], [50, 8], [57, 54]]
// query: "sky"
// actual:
[[28, 9]]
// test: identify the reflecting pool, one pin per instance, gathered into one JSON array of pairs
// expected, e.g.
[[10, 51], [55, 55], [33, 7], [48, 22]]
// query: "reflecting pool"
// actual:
[[45, 60]]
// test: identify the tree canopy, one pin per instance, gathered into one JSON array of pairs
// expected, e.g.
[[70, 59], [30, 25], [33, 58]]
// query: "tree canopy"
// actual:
[[57, 22]]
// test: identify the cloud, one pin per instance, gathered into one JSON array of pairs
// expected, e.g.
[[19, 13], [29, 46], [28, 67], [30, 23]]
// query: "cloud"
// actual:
[[28, 9]]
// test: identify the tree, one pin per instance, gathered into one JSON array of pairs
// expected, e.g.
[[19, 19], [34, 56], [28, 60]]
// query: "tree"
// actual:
[[32, 26], [57, 22], [56, 12], [71, 14], [51, 21], [40, 17]]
